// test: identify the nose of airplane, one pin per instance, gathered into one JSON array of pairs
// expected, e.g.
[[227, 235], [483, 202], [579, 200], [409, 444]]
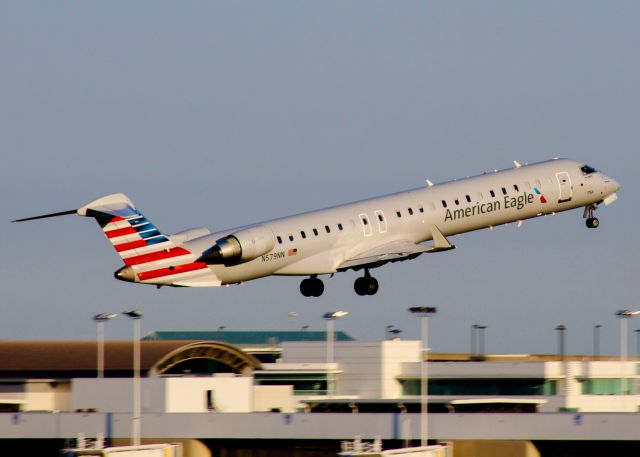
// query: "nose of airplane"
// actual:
[[612, 184]]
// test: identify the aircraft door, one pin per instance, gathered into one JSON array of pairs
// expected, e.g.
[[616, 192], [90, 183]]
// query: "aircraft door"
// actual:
[[566, 190], [366, 224], [382, 222]]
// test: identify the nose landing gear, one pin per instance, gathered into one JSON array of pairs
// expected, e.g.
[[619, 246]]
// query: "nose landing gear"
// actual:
[[367, 285], [592, 222]]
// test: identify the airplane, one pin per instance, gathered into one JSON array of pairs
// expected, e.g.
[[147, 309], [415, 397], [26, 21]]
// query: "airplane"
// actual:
[[355, 236]]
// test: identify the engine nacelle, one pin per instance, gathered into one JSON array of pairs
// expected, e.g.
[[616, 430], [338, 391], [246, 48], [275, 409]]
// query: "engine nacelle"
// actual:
[[242, 246]]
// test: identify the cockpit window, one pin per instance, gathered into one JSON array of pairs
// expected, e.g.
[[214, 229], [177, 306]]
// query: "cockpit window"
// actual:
[[587, 170]]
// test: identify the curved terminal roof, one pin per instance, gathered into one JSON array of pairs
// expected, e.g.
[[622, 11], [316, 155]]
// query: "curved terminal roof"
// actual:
[[67, 359]]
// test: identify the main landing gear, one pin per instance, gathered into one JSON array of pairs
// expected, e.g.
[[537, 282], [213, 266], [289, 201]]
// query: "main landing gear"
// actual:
[[311, 287], [367, 285], [592, 222], [314, 287]]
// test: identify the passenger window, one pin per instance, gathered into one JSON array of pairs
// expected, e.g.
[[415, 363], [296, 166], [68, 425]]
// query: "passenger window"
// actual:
[[279, 239], [457, 202], [339, 226], [303, 235], [365, 221], [410, 211], [493, 194], [468, 198], [315, 232], [398, 213], [290, 237], [515, 187], [444, 204], [504, 191], [380, 218], [421, 209], [326, 227]]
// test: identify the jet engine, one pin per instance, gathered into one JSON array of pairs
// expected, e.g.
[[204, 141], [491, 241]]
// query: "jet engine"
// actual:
[[241, 246]]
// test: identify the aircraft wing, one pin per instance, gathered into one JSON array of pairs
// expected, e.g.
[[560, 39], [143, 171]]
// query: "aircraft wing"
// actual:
[[396, 250]]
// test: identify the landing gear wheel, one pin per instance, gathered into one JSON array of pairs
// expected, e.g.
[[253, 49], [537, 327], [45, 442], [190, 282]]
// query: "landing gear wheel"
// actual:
[[366, 286], [360, 286], [372, 286], [593, 222], [311, 287]]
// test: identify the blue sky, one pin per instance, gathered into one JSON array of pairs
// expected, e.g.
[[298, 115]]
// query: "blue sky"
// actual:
[[220, 114]]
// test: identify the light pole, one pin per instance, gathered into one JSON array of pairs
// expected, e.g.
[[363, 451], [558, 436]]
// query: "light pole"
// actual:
[[561, 341], [136, 416], [331, 317], [100, 319], [596, 340], [624, 315], [472, 346], [424, 312], [561, 353], [480, 331]]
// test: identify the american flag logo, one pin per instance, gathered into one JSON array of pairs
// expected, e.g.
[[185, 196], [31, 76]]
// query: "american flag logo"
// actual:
[[537, 191], [292, 252]]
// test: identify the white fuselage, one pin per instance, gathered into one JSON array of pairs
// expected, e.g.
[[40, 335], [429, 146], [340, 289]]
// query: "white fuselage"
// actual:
[[319, 242]]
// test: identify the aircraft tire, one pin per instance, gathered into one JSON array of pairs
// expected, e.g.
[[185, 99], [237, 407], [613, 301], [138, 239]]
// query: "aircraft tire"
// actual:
[[317, 287], [593, 222], [306, 288], [360, 286], [372, 286]]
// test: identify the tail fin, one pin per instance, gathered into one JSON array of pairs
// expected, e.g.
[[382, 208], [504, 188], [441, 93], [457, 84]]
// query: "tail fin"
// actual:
[[149, 255], [130, 233]]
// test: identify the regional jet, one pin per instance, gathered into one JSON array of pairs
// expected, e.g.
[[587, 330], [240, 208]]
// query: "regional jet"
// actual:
[[356, 236]]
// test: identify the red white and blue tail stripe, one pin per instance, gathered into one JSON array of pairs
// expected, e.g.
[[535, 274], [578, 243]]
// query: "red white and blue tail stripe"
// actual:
[[149, 256]]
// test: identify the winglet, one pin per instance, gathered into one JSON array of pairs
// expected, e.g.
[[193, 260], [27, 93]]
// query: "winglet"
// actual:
[[440, 242], [429, 183]]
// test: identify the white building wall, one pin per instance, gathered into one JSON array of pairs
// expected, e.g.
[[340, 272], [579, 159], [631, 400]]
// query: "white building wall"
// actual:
[[369, 369], [268, 398], [180, 394]]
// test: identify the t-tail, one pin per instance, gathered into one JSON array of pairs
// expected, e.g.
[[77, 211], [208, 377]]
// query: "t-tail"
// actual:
[[149, 256]]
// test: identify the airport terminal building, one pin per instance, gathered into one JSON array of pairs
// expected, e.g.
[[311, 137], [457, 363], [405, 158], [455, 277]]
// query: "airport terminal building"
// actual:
[[289, 372], [282, 394]]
